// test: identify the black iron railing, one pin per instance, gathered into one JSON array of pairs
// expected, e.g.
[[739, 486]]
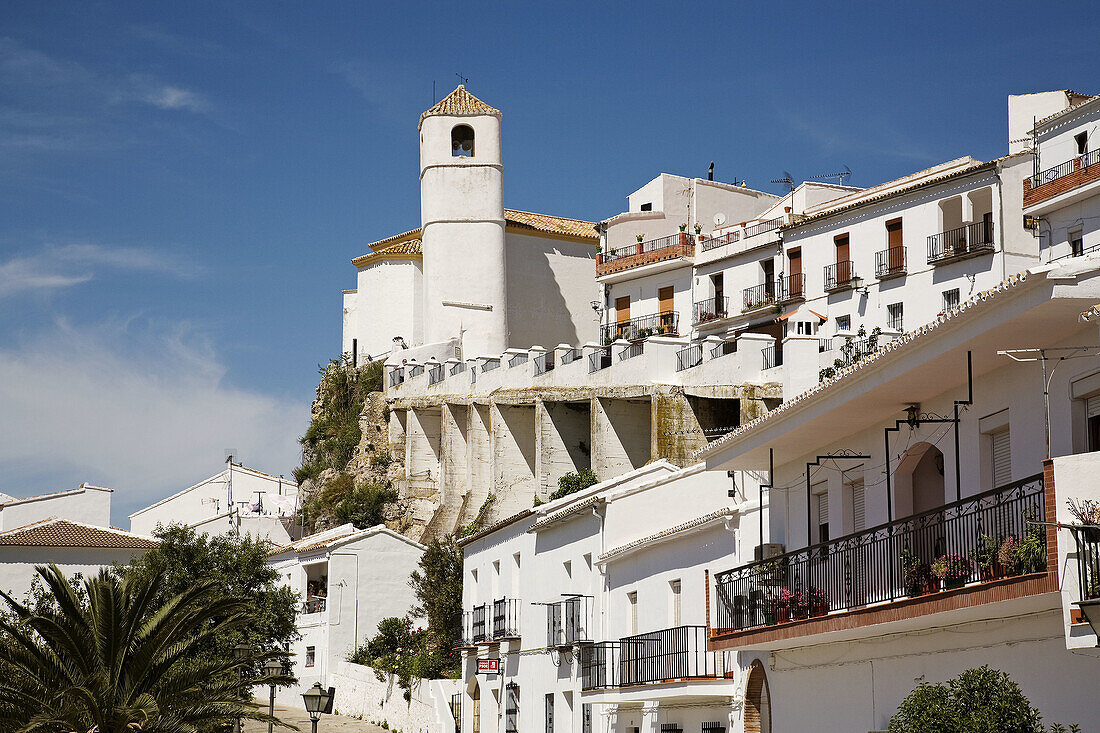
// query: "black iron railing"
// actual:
[[758, 296], [791, 287], [490, 364], [544, 362], [397, 376], [517, 359], [710, 309], [567, 621], [570, 356], [456, 711], [458, 368], [839, 275], [724, 348], [885, 563], [1090, 158], [505, 618], [890, 262], [715, 242], [1087, 540], [475, 626], [629, 352], [772, 356], [1052, 174], [599, 359], [763, 226], [852, 350], [435, 374], [660, 656], [971, 239], [665, 323], [689, 356], [314, 605], [682, 239], [415, 370]]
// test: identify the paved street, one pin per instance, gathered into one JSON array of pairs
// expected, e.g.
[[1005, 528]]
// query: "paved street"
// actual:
[[328, 724]]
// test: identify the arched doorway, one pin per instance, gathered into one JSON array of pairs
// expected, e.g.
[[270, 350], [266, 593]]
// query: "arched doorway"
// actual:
[[758, 704], [473, 689], [919, 490]]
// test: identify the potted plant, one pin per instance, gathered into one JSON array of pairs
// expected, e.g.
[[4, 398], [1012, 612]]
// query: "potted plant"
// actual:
[[640, 237], [1032, 551], [1086, 512], [783, 605], [683, 227], [800, 605], [819, 603], [645, 333], [698, 228], [1006, 555], [915, 574], [985, 557], [952, 570]]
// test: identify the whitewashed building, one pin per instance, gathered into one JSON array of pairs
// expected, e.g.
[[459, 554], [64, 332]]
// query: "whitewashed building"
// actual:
[[238, 500], [347, 580]]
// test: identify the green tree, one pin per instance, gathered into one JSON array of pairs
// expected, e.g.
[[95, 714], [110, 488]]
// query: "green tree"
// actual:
[[363, 505], [437, 586], [977, 701], [334, 433], [237, 567], [124, 657], [571, 483]]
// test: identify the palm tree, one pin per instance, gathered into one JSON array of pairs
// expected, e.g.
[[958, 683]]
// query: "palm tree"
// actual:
[[117, 664]]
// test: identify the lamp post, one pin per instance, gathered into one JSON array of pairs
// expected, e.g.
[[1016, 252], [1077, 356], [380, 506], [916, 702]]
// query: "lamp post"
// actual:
[[241, 652], [317, 701], [272, 667]]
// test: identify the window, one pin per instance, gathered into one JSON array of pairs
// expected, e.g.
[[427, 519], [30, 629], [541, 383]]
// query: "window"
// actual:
[[586, 718], [841, 242], [1092, 422], [632, 601], [549, 712], [511, 708], [1001, 455], [843, 323], [462, 141], [1082, 140], [665, 299], [718, 281], [950, 299], [859, 510], [894, 316], [646, 207], [674, 602], [568, 566], [821, 503], [893, 234], [714, 727], [311, 656], [622, 309], [1077, 243]]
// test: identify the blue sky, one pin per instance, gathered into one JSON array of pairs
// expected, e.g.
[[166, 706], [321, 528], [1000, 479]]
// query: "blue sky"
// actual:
[[182, 185]]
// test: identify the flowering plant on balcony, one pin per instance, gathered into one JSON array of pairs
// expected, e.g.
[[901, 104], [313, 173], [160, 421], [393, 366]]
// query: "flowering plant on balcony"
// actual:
[[916, 574], [817, 601], [784, 604], [640, 237], [953, 570]]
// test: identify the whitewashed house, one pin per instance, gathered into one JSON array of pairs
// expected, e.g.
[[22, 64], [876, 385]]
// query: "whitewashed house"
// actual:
[[348, 580], [238, 500], [592, 607]]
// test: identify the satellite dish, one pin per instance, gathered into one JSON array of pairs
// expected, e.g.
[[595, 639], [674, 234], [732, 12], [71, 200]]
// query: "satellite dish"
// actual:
[[719, 219]]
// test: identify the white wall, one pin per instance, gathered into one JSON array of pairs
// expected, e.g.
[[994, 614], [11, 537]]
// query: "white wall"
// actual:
[[387, 303], [551, 287], [17, 563], [87, 504]]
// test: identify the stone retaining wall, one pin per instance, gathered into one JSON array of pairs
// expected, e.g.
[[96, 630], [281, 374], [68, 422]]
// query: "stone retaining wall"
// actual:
[[360, 694]]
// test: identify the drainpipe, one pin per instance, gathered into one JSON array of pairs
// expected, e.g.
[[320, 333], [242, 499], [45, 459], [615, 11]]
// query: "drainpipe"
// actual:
[[1001, 222]]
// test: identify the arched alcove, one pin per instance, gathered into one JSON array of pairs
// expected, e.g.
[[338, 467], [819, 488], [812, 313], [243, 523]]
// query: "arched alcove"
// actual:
[[473, 689], [462, 141], [918, 480], [758, 704]]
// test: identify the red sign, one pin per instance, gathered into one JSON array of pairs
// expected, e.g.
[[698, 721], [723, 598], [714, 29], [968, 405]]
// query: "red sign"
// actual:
[[488, 666]]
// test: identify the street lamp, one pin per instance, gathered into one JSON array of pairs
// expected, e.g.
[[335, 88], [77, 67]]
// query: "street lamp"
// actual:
[[318, 700], [241, 652], [272, 667]]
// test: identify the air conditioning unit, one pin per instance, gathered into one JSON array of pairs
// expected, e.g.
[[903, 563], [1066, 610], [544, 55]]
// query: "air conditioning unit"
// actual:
[[767, 551]]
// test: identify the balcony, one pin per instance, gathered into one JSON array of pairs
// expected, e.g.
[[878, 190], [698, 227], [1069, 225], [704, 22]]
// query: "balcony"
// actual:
[[758, 296], [862, 575], [567, 621], [487, 622], [435, 374], [840, 276], [475, 625], [599, 359], [890, 263], [397, 376], [1087, 540], [971, 240], [314, 605], [711, 309], [1061, 178], [791, 288], [544, 363], [665, 323], [764, 226], [689, 356], [506, 619], [673, 247], [771, 356], [669, 655], [722, 239]]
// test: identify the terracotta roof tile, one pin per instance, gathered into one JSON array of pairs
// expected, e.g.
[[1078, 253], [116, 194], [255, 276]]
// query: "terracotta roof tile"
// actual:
[[402, 248], [460, 103], [63, 533]]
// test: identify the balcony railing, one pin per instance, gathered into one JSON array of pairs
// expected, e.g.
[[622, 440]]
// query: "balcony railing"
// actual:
[[489, 365], [964, 241], [435, 374], [643, 253], [689, 356], [723, 349], [772, 356], [397, 376], [1052, 174], [314, 605], [839, 275], [791, 288], [710, 309], [599, 359], [668, 655], [458, 368], [758, 296], [567, 621], [764, 226], [631, 351], [672, 240], [665, 323], [506, 618], [880, 565], [544, 363], [475, 627], [570, 356], [415, 370], [1087, 540], [721, 239], [517, 359], [890, 263]]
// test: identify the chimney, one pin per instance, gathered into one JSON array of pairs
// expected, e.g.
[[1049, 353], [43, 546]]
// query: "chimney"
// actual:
[[710, 171]]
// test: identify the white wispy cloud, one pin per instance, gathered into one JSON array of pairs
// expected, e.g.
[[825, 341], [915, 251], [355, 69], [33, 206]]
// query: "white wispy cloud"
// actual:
[[142, 407], [53, 267]]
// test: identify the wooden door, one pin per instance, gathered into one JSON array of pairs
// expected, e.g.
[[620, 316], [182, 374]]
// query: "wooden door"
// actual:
[[664, 298], [895, 257], [794, 273], [622, 309]]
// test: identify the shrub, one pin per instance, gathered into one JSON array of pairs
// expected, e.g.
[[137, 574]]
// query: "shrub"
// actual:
[[363, 505], [334, 433], [571, 483]]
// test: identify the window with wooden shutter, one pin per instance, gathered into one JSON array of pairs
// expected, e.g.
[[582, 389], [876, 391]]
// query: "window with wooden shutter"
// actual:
[[821, 500], [859, 513], [622, 309], [1002, 458], [664, 299]]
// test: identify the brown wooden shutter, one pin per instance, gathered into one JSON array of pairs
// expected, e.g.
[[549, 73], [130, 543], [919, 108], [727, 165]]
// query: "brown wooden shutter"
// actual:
[[794, 259], [841, 248], [664, 297], [622, 309]]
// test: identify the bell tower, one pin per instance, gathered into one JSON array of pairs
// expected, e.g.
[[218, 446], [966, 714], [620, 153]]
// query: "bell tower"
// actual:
[[462, 225]]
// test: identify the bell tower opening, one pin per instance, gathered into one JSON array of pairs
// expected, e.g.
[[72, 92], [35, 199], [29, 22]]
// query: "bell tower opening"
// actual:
[[462, 141]]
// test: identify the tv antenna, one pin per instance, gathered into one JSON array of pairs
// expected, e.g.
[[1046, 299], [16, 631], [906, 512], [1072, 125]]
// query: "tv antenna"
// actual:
[[787, 180], [464, 79], [839, 175]]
